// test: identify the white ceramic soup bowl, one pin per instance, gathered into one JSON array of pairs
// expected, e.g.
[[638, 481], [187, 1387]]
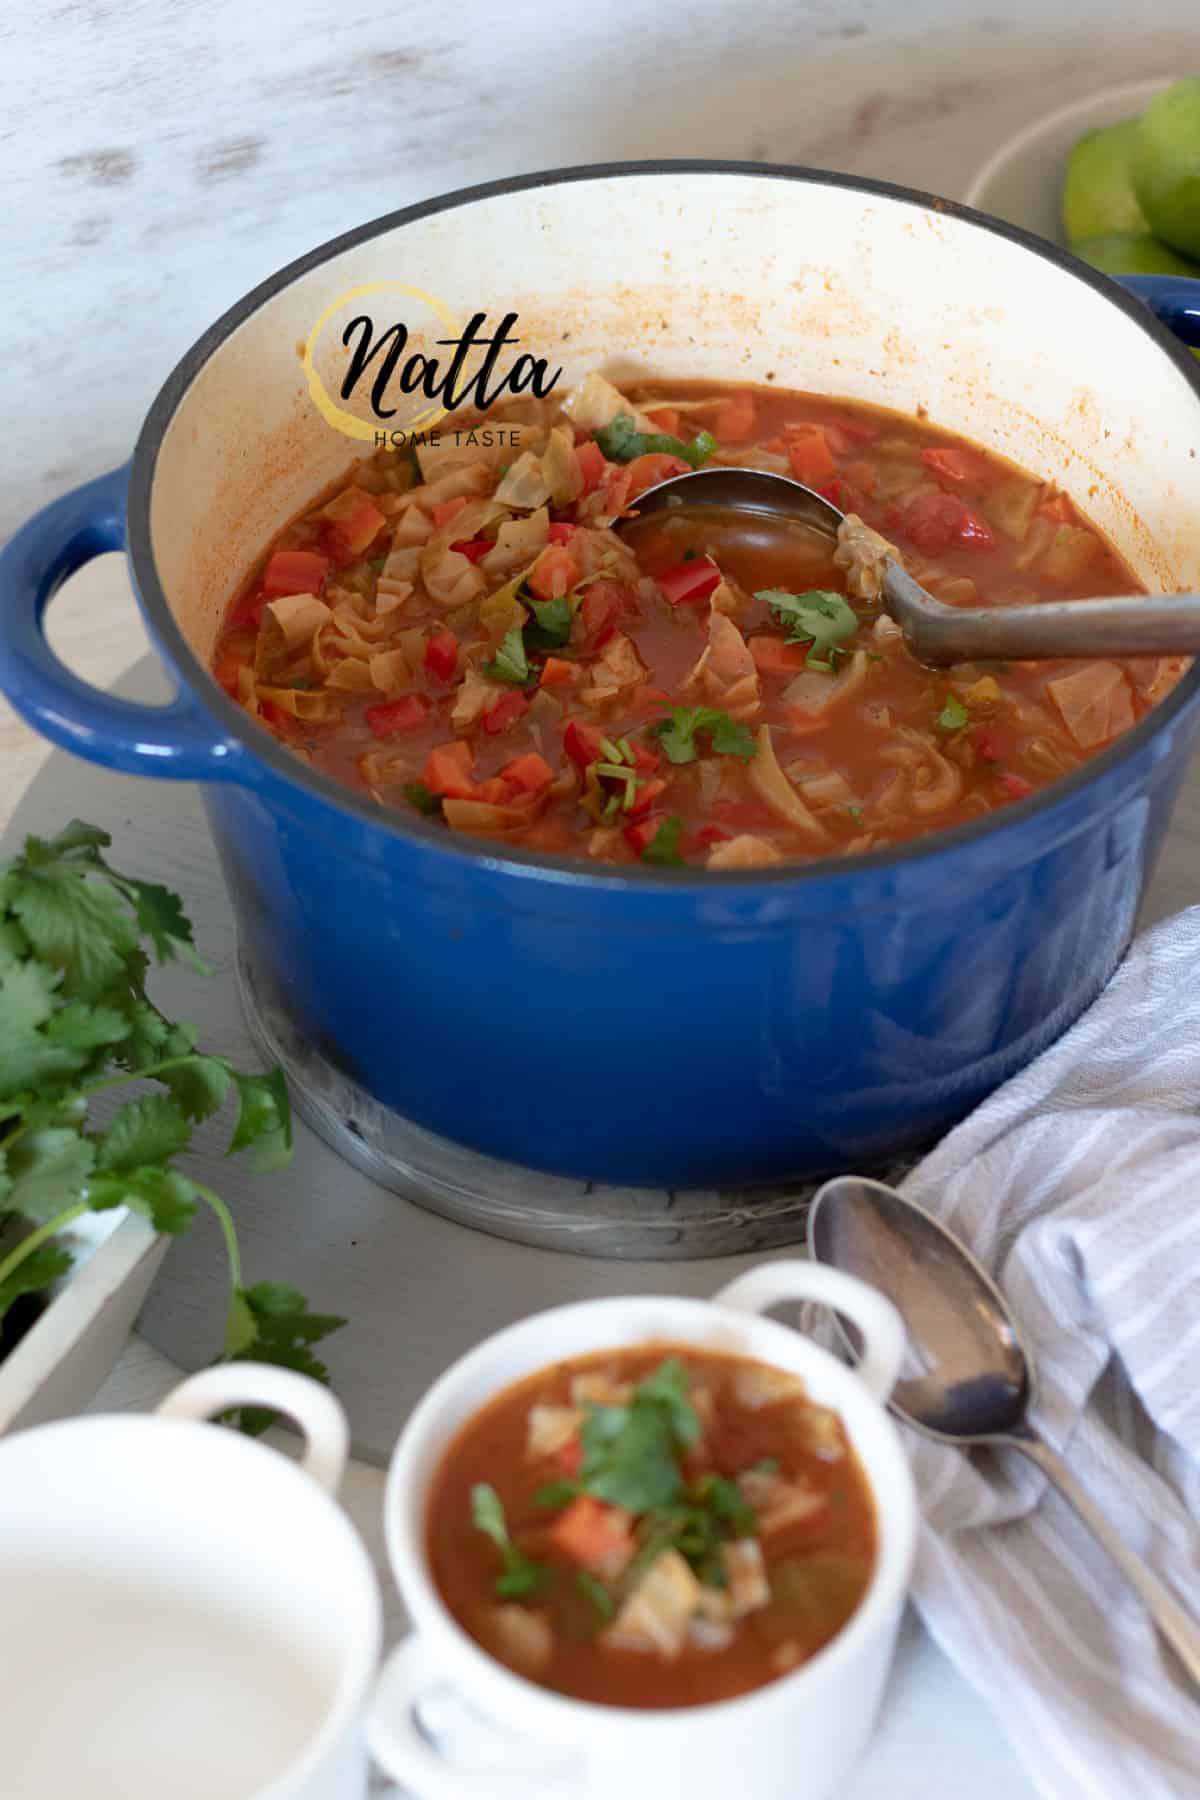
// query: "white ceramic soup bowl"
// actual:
[[797, 1737]]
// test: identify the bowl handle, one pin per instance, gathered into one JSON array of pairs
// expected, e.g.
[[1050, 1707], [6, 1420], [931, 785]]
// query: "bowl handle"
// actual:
[[177, 739], [404, 1752], [313, 1408], [883, 1335], [1174, 299]]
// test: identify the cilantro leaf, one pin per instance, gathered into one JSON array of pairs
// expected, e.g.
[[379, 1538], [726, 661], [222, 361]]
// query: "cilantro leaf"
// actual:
[[953, 715], [621, 441], [678, 729], [48, 1170], [271, 1323], [77, 1026], [264, 1121], [663, 848], [198, 1083], [553, 1494], [43, 1266], [150, 1130], [162, 919], [510, 662], [819, 617], [164, 1196], [519, 1575], [75, 924], [423, 798], [631, 1454], [550, 627]]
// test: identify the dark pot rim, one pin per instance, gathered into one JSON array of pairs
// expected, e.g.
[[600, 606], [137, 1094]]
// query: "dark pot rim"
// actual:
[[460, 846]]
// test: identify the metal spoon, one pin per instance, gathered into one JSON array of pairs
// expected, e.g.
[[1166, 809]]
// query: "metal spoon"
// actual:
[[1140, 625], [977, 1378]]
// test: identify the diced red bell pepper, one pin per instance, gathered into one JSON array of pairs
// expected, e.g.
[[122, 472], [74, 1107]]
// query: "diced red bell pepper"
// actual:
[[839, 493], [581, 742], [642, 832], [390, 718], [561, 532], [1016, 785], [950, 463], [665, 419], [647, 471], [447, 771], [503, 711], [474, 548], [592, 464], [690, 583], [931, 521], [591, 1532], [809, 454], [708, 835], [557, 671], [987, 744], [645, 798], [553, 574], [247, 609], [441, 655], [530, 773], [349, 524], [294, 572], [644, 758], [442, 511], [271, 714]]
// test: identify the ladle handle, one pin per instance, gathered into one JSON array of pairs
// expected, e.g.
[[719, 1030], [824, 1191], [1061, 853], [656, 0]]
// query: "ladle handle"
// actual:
[[1141, 625], [1178, 1627]]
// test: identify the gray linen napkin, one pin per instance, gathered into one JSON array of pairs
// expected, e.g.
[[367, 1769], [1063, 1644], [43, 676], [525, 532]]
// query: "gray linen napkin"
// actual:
[[1077, 1184]]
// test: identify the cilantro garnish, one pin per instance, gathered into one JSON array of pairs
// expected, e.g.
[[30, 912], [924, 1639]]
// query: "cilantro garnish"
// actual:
[[677, 731], [663, 847], [820, 618], [75, 1020], [621, 441], [631, 1453], [953, 715], [594, 1589], [423, 798], [519, 1575], [550, 627], [510, 662]]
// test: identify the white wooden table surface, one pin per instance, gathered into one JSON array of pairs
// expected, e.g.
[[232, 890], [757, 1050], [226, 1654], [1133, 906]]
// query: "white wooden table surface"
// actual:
[[159, 160]]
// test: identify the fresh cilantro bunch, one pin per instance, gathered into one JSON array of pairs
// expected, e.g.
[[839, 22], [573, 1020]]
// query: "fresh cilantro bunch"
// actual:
[[76, 1022]]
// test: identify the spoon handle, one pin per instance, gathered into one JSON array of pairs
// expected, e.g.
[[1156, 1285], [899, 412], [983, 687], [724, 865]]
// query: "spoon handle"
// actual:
[[1177, 1626], [1140, 625]]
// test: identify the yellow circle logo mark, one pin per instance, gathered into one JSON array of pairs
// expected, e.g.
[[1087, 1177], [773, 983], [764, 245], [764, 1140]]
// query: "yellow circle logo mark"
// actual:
[[327, 406]]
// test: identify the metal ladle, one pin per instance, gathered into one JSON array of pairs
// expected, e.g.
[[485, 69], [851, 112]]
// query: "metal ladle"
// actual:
[[976, 1379], [1140, 625]]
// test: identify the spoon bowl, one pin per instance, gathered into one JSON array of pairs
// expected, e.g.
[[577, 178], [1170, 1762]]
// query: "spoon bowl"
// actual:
[[967, 1379], [1137, 625]]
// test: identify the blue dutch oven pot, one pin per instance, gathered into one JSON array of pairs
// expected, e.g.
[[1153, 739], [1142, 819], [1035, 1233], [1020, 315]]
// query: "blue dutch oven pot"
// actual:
[[658, 1028]]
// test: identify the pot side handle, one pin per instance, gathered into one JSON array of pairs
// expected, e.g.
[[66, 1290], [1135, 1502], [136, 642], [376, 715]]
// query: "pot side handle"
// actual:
[[1173, 299], [176, 740]]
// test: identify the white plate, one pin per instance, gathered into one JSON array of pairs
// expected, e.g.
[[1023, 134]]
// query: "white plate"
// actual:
[[1022, 180]]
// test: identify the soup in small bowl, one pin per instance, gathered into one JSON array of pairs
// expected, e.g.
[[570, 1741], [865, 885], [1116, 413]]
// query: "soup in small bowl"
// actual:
[[660, 1544]]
